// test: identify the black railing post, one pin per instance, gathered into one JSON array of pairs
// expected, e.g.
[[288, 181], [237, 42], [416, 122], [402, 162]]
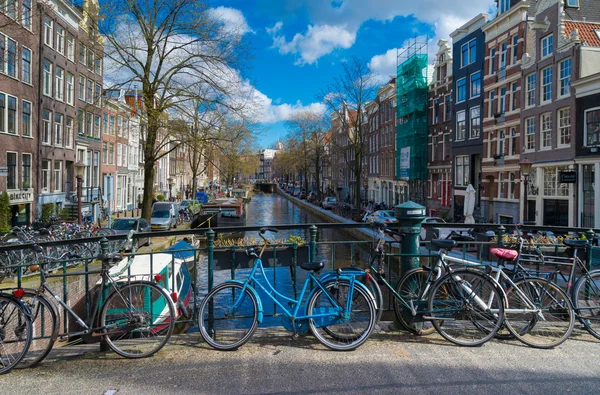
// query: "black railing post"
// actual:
[[210, 236], [500, 232], [313, 243], [589, 235], [104, 251]]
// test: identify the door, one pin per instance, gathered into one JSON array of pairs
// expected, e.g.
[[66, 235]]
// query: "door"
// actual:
[[556, 212]]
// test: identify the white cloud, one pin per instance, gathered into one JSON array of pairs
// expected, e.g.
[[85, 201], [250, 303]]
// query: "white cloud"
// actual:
[[266, 111], [338, 22], [318, 40], [233, 20]]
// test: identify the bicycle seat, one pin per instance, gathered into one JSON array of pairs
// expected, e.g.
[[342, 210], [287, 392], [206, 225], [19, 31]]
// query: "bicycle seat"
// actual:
[[505, 253], [575, 243], [445, 244], [312, 266]]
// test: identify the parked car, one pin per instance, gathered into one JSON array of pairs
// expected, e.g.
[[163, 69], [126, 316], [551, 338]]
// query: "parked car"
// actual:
[[297, 192], [329, 202], [302, 194], [382, 216], [139, 225], [436, 235], [164, 216]]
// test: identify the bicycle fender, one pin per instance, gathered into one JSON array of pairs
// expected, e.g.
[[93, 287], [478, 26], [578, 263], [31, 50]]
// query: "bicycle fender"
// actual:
[[349, 279], [258, 301]]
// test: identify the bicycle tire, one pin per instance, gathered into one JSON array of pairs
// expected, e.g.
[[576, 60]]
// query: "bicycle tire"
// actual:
[[558, 318], [586, 300], [457, 298], [409, 287], [16, 329], [45, 319], [137, 311], [222, 328], [342, 336]]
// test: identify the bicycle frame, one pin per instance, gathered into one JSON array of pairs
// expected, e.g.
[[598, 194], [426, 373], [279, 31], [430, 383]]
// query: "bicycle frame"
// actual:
[[273, 294]]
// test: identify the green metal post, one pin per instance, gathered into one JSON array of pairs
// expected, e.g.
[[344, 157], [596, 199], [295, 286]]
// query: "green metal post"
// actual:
[[104, 250], [210, 235], [411, 216], [313, 243], [589, 235], [500, 232]]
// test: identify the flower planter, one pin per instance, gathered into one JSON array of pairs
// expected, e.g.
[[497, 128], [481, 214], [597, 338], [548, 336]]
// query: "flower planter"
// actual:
[[225, 259]]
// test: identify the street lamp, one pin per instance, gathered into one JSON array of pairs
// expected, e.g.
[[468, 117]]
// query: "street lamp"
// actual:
[[79, 169], [526, 167], [170, 181]]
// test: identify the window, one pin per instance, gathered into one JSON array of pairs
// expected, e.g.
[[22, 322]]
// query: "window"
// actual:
[[2, 112], [500, 185], [503, 55], [468, 53], [476, 84], [58, 129], [511, 185], [530, 92], [60, 40], [547, 84], [120, 127], [26, 13], [46, 127], [475, 122], [48, 31], [105, 124], [513, 142], [547, 46], [448, 106], [69, 132], [57, 176], [45, 176], [26, 65], [501, 143], [90, 60], [126, 133], [12, 115], [97, 95], [97, 126], [565, 77], [111, 154], [2, 52], [502, 108], [81, 91], [26, 171], [564, 126], [504, 5], [11, 58], [572, 4], [70, 91], [112, 125], [90, 91], [530, 127], [592, 127], [462, 170], [514, 96], [71, 48], [493, 61], [119, 150], [11, 9], [492, 103], [11, 163], [59, 84], [81, 122], [546, 121], [82, 52], [26, 119], [461, 90], [88, 124], [125, 155], [47, 84], [104, 153], [552, 184], [515, 49], [460, 125], [436, 111], [98, 65]]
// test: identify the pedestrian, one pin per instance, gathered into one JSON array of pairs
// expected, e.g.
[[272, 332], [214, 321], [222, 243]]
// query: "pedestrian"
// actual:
[[348, 198]]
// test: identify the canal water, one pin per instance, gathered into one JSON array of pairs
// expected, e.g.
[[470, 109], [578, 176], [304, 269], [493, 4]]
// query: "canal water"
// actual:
[[273, 210]]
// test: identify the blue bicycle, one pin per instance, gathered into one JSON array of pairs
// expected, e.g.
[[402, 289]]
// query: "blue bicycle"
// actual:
[[340, 311]]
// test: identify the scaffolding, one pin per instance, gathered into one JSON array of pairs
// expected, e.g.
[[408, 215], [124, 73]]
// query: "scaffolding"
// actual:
[[412, 81]]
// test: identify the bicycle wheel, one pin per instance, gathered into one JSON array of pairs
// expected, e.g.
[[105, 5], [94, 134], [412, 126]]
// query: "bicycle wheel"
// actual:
[[138, 318], [375, 290], [15, 332], [458, 303], [410, 287], [539, 313], [45, 319], [330, 326], [586, 297], [228, 316]]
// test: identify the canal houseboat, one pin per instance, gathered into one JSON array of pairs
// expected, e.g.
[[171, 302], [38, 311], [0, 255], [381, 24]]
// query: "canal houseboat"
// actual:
[[230, 212]]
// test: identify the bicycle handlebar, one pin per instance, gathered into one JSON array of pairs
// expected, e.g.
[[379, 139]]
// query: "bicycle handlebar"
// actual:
[[264, 230]]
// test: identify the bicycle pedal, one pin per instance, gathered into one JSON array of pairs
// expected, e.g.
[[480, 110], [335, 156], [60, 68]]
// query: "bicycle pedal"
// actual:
[[62, 338], [295, 336]]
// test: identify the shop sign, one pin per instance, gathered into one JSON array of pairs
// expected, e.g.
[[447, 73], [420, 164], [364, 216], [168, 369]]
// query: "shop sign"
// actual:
[[18, 197], [568, 177]]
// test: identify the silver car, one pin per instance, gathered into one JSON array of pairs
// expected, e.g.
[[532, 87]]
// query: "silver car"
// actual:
[[163, 220]]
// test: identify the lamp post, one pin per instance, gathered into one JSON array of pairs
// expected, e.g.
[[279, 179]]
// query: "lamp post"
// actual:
[[525, 166], [170, 181], [79, 169]]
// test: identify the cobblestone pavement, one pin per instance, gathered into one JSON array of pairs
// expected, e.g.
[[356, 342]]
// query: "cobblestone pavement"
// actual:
[[273, 363]]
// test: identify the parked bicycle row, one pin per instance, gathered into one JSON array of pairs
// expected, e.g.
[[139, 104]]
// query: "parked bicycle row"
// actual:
[[527, 296]]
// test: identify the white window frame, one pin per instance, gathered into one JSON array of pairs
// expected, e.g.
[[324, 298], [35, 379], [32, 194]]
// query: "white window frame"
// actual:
[[59, 84], [546, 86], [458, 90], [48, 78], [546, 131], [45, 176], [460, 162], [60, 39], [68, 132], [585, 128], [472, 95], [23, 183], [71, 44], [119, 149], [70, 88], [501, 143], [57, 176], [530, 90], [564, 126], [564, 82], [529, 145], [515, 49], [59, 136], [80, 91], [29, 120], [25, 71], [26, 14], [463, 136], [16, 154], [503, 56], [547, 45], [473, 118], [468, 52], [48, 32], [16, 114], [11, 57]]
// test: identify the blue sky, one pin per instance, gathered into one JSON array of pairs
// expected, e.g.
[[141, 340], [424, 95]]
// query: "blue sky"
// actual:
[[299, 45]]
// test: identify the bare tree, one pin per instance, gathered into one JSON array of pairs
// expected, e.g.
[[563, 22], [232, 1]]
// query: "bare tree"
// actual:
[[235, 151], [345, 99], [174, 49]]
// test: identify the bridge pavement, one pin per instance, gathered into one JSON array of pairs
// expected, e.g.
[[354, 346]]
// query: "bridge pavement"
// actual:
[[273, 363]]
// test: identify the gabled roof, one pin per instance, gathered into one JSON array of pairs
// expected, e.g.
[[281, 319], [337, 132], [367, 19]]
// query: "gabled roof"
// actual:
[[586, 30]]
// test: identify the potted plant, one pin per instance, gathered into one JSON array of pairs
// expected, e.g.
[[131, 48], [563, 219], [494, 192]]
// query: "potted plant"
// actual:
[[232, 252]]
